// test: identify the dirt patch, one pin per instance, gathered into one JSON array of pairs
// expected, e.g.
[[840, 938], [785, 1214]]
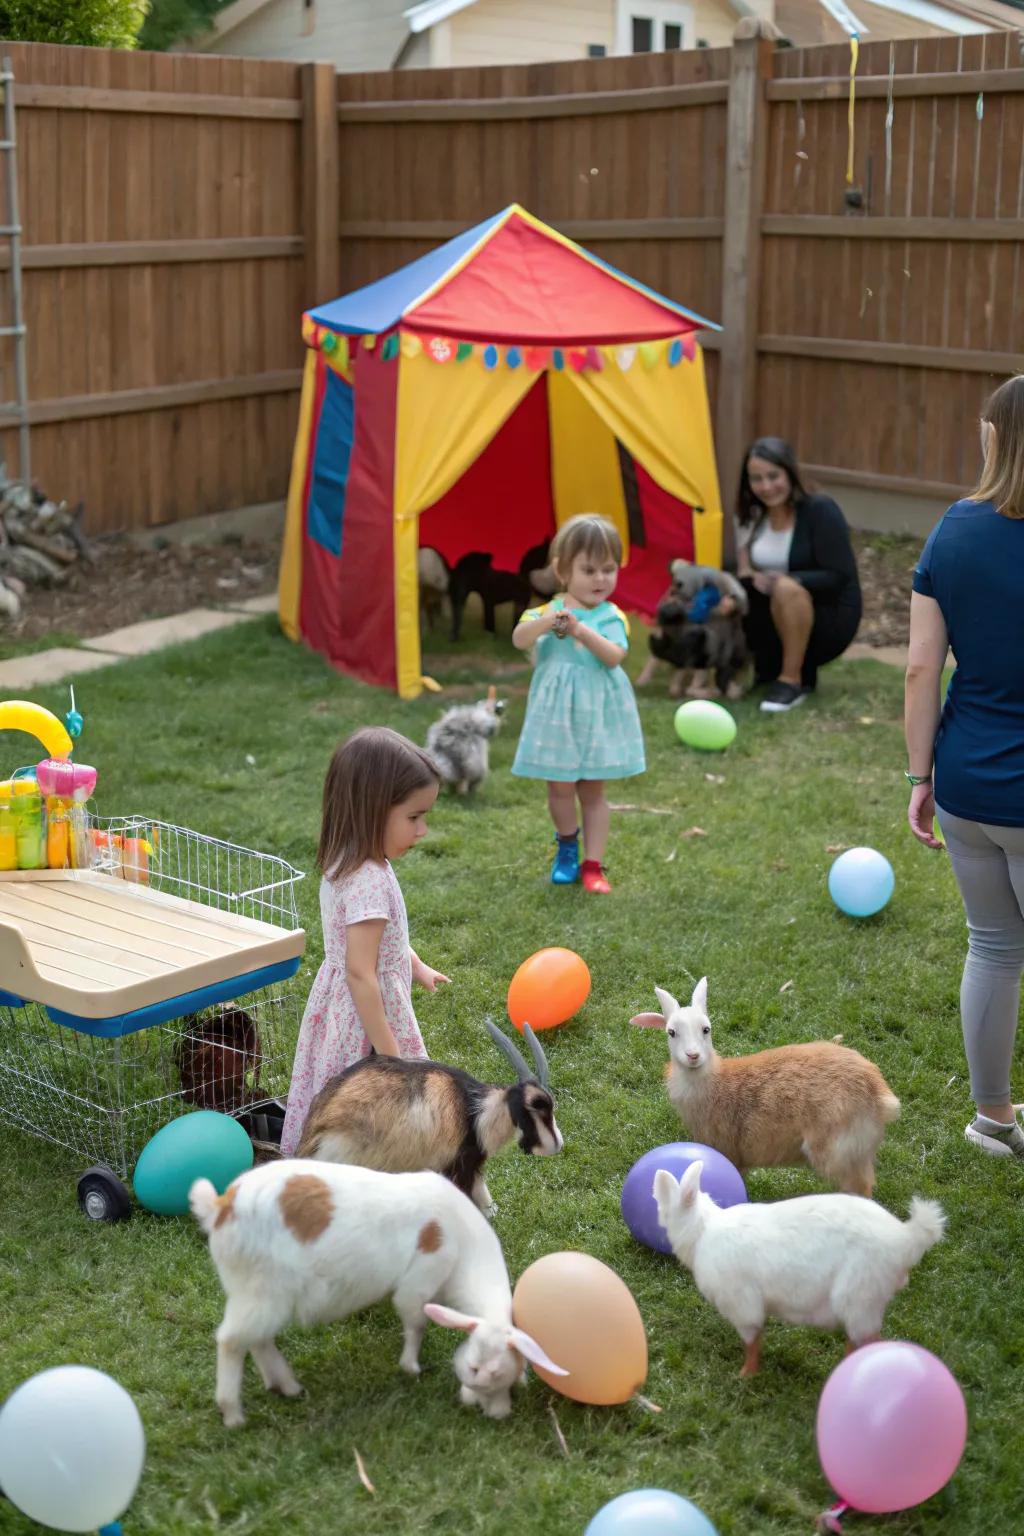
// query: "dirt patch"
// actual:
[[886, 563], [123, 583]]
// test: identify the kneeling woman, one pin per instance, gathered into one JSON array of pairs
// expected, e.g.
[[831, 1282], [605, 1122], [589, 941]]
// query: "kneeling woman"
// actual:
[[797, 563]]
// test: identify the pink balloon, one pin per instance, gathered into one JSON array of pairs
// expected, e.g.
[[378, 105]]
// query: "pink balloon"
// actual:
[[892, 1425]]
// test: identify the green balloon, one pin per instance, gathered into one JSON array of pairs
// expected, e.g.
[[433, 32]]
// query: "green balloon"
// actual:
[[704, 724], [200, 1145]]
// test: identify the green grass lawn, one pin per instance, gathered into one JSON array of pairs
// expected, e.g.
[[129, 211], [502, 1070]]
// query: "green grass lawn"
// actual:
[[745, 904]]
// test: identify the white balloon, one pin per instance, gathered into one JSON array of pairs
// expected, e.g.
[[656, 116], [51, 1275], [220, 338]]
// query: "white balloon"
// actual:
[[71, 1448]]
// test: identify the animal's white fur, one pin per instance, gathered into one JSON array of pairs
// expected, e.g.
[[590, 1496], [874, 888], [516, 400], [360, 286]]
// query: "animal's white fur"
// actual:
[[458, 743], [827, 1261], [371, 1248], [820, 1102], [434, 577]]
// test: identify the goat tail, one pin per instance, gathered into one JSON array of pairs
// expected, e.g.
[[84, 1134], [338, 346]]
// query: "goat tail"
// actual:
[[927, 1224], [205, 1203], [889, 1105]]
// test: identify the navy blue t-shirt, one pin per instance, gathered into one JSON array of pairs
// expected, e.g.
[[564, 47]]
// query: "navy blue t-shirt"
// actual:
[[973, 566]]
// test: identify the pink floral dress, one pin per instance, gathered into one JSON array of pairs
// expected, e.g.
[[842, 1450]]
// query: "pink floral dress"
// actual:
[[332, 1037]]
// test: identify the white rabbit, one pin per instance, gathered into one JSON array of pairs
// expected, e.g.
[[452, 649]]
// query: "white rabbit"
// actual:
[[817, 1103], [826, 1261]]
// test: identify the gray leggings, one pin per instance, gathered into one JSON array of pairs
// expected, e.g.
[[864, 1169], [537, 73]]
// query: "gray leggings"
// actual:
[[988, 863]]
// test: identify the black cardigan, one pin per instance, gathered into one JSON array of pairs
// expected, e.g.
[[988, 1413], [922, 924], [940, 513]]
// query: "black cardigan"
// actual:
[[821, 556]]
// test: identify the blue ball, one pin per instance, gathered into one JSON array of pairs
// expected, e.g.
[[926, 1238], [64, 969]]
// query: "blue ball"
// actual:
[[861, 881], [719, 1179], [650, 1512]]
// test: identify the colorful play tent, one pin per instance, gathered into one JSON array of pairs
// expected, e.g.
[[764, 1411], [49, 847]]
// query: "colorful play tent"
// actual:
[[475, 400]]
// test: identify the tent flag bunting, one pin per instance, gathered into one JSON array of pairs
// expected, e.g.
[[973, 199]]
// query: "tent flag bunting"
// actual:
[[472, 402]]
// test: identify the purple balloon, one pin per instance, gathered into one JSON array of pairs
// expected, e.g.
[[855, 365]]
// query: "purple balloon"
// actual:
[[719, 1179], [892, 1425]]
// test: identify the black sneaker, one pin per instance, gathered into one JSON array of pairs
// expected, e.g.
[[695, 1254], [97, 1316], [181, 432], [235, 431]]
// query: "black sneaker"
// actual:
[[782, 697]]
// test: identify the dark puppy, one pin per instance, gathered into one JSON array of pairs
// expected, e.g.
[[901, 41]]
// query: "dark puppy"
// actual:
[[715, 643]]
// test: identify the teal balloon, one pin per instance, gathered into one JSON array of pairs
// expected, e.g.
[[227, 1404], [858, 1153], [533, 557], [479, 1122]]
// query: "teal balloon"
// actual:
[[200, 1145], [650, 1512], [704, 724], [73, 724], [861, 882]]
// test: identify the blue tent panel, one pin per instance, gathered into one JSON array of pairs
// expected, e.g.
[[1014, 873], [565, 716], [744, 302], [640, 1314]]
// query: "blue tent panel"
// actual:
[[379, 306], [329, 479]]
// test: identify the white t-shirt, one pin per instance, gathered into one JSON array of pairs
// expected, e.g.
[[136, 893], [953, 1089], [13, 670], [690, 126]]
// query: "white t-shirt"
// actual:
[[769, 548]]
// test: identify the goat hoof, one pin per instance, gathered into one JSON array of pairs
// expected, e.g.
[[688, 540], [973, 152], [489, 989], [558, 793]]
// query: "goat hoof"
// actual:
[[288, 1389], [467, 1397], [497, 1407], [748, 1371], [410, 1367], [232, 1415]]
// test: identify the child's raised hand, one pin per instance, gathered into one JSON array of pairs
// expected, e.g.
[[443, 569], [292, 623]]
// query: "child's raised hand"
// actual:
[[572, 625]]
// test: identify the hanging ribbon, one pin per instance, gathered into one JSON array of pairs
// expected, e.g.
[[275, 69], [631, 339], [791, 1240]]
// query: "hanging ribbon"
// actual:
[[854, 52], [890, 113]]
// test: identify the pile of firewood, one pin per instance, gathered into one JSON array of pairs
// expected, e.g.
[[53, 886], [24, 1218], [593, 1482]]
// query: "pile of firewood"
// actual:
[[40, 540]]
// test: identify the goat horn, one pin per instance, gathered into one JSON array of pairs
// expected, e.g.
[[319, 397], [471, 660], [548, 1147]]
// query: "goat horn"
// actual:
[[537, 1052], [509, 1051]]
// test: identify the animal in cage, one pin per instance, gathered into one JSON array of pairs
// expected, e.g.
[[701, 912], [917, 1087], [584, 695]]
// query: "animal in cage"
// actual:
[[218, 1057]]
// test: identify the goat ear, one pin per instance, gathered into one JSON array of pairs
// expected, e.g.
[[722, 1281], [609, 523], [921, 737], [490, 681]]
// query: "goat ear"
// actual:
[[449, 1318], [700, 995], [668, 1003], [531, 1350], [689, 1184], [648, 1021]]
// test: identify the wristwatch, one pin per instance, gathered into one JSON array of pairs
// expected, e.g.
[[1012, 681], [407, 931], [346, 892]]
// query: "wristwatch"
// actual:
[[917, 778]]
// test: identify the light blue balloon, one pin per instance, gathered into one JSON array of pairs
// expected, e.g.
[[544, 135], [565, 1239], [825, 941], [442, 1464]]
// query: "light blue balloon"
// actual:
[[861, 881], [650, 1512]]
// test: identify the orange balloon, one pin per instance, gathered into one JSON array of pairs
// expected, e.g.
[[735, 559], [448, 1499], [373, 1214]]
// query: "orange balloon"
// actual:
[[548, 988], [584, 1317]]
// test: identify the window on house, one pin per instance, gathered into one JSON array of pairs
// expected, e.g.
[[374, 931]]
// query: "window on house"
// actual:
[[596, 50], [673, 37], [643, 34]]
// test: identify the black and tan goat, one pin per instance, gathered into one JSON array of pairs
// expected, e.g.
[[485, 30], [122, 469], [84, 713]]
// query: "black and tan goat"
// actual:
[[405, 1116]]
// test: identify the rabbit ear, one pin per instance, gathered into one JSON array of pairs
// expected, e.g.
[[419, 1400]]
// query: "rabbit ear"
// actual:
[[669, 1006], [531, 1350], [648, 1021], [689, 1184], [666, 1190], [449, 1318], [700, 995]]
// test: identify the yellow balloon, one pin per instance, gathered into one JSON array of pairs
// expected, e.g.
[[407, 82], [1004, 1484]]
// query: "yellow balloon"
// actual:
[[34, 720], [586, 1320]]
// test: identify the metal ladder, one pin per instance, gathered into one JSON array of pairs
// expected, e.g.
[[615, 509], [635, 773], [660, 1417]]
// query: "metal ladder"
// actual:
[[11, 231]]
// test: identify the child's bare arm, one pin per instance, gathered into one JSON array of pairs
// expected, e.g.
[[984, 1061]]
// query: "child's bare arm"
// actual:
[[528, 631], [425, 975], [362, 948]]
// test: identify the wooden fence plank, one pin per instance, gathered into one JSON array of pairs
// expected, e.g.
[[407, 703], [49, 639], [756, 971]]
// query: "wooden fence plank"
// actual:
[[82, 98], [163, 397], [507, 108], [132, 253]]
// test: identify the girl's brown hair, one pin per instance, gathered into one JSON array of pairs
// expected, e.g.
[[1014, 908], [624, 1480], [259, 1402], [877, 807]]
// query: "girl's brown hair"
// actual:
[[1002, 479], [588, 535], [370, 773]]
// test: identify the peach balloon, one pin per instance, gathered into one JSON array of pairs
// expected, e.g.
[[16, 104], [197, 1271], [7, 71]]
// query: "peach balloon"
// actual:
[[586, 1320], [548, 988]]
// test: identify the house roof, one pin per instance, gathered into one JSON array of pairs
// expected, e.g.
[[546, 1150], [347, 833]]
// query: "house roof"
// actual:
[[429, 12], [512, 280], [808, 23]]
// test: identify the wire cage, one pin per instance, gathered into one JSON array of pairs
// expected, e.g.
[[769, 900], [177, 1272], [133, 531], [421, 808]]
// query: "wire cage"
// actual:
[[102, 1096]]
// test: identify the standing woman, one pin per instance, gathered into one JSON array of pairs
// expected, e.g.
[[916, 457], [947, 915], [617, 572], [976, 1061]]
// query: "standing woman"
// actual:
[[967, 756], [797, 563]]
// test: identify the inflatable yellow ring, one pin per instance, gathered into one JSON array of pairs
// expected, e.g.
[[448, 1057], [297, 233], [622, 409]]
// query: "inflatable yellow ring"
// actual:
[[34, 720]]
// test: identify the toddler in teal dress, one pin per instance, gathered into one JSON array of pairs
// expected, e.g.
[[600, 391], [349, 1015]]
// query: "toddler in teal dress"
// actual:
[[582, 726]]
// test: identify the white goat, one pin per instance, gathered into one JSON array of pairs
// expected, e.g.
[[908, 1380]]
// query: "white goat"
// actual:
[[312, 1242], [822, 1260]]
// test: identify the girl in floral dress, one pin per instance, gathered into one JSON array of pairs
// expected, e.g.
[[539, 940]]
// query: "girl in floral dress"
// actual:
[[378, 793]]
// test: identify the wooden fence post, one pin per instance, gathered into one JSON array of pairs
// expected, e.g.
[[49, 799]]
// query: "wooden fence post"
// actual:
[[320, 184], [745, 164]]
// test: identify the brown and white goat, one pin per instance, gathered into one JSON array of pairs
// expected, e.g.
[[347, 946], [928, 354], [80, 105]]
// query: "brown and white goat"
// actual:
[[309, 1243], [818, 1103], [400, 1116]]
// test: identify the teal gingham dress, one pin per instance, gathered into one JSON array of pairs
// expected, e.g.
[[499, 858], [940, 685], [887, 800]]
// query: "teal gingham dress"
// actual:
[[581, 716]]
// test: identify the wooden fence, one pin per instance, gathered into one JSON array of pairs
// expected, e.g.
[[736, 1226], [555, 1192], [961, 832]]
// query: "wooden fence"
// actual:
[[179, 212]]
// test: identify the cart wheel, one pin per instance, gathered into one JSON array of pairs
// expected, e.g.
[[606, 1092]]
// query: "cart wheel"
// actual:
[[102, 1196]]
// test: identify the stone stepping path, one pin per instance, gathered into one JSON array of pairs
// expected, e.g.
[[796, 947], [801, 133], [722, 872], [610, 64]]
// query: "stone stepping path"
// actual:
[[54, 666]]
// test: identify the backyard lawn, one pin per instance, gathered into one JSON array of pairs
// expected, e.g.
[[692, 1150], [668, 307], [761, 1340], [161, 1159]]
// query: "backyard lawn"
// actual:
[[231, 736]]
